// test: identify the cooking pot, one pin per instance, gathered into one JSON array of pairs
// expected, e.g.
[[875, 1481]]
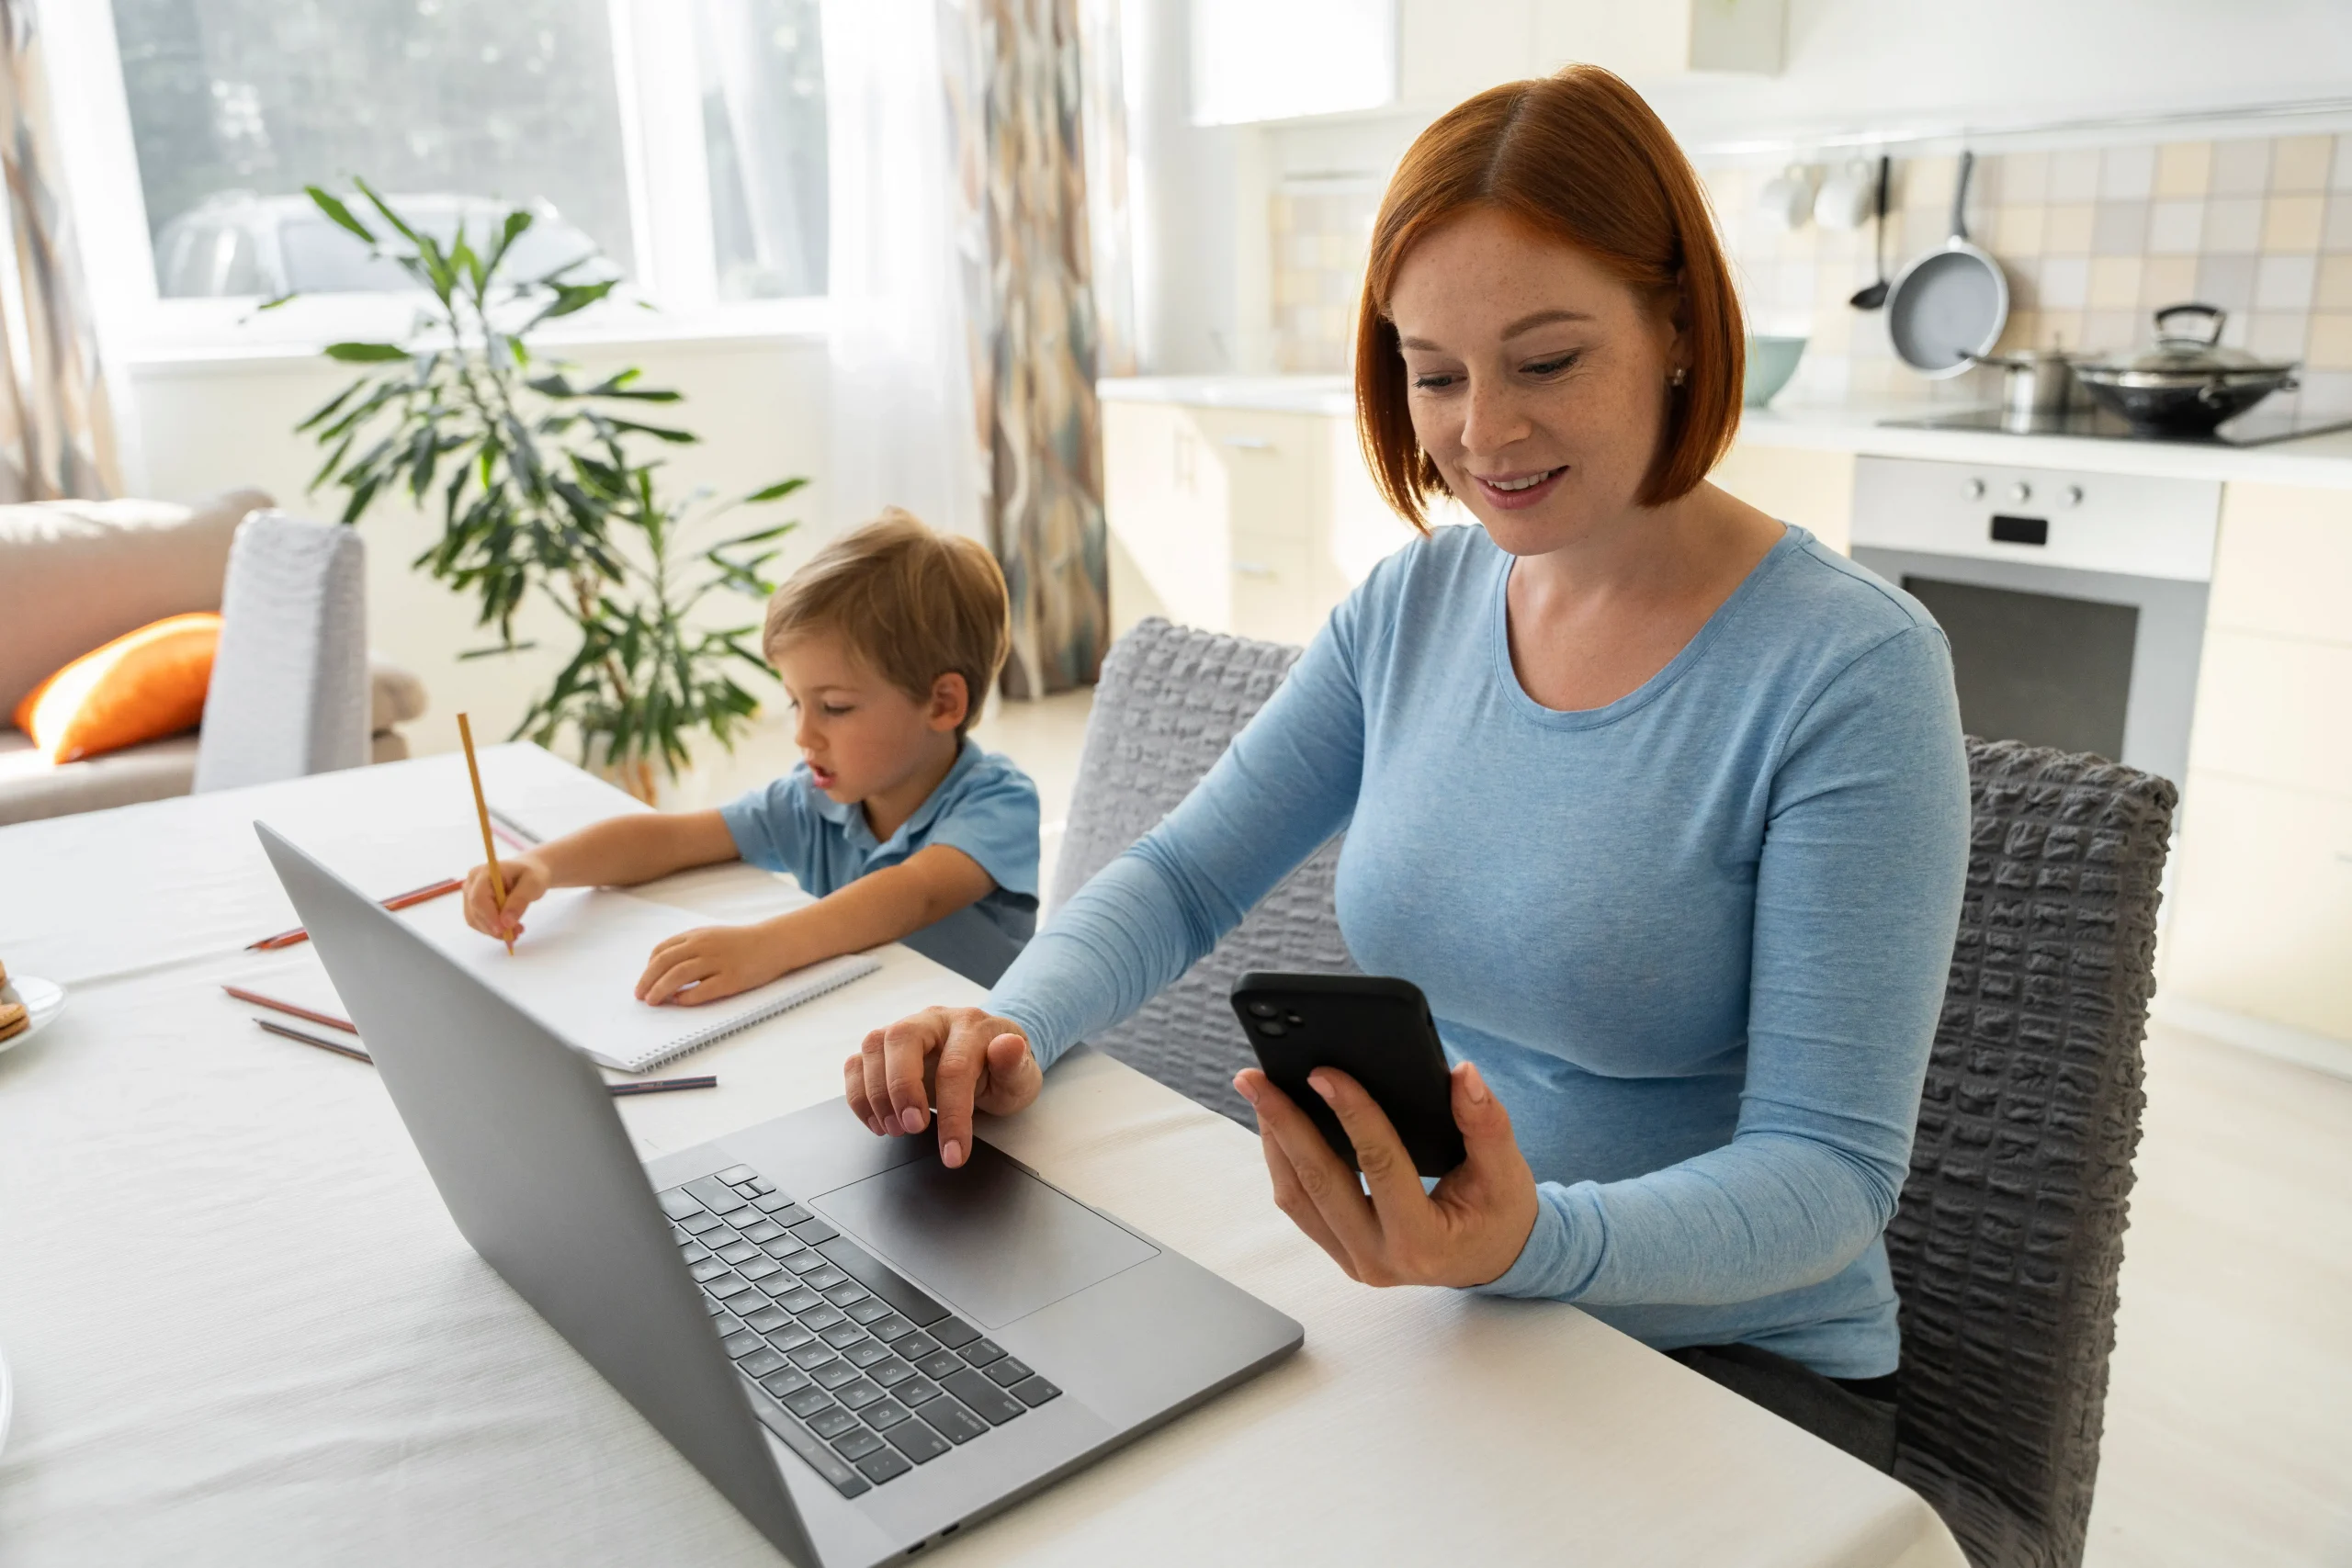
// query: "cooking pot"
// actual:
[[2187, 384], [2035, 385]]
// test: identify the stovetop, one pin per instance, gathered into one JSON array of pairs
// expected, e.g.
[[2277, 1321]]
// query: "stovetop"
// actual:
[[2257, 428]]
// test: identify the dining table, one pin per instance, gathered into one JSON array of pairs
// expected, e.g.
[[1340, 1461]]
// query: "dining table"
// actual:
[[241, 1327]]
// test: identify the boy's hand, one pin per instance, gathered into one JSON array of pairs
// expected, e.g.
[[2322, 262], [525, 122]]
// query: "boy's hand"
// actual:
[[527, 882], [711, 962]]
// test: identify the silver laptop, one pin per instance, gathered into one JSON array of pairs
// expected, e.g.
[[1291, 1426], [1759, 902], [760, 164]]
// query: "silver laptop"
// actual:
[[863, 1349]]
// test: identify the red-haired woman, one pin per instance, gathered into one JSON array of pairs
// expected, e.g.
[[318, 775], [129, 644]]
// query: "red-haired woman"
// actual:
[[1662, 802]]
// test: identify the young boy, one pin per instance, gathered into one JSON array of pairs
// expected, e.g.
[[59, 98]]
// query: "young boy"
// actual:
[[902, 828]]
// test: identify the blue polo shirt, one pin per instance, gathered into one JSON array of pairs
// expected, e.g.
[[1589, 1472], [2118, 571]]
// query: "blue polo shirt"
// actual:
[[985, 806]]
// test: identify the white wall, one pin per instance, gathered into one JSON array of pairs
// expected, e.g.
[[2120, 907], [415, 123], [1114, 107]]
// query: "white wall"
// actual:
[[758, 404]]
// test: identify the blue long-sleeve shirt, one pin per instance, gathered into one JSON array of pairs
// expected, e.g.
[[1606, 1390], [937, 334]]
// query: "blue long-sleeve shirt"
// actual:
[[1695, 940]]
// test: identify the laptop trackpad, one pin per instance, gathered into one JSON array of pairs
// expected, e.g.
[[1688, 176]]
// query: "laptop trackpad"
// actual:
[[994, 1240]]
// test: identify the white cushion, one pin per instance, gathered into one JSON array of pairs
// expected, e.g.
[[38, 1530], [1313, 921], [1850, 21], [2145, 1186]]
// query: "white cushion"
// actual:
[[31, 787]]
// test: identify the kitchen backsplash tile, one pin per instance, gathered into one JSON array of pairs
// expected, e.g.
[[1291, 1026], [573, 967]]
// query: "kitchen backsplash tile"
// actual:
[[2093, 240]]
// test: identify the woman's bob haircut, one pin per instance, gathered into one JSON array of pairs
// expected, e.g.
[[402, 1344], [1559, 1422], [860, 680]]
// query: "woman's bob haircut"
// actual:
[[1578, 156]]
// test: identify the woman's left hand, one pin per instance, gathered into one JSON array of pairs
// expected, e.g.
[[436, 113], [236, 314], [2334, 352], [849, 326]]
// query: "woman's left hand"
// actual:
[[1467, 1231]]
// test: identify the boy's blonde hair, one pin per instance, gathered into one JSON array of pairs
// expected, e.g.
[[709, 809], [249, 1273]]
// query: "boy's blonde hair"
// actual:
[[912, 604]]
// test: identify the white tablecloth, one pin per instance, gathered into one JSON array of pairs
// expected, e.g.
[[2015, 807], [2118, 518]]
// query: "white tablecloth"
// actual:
[[245, 1330]]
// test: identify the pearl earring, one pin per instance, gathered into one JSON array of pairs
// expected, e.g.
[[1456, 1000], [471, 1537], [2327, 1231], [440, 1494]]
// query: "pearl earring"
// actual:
[[1674, 377]]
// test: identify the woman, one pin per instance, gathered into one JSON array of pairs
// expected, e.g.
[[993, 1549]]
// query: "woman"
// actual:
[[1663, 803]]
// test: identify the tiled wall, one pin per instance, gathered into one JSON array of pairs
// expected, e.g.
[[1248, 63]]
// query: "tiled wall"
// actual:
[[2093, 240]]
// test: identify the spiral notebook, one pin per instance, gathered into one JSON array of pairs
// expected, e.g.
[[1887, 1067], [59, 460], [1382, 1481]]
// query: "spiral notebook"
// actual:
[[577, 964]]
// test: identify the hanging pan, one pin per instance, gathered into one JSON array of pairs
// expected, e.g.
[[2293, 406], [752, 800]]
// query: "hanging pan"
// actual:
[[1949, 306]]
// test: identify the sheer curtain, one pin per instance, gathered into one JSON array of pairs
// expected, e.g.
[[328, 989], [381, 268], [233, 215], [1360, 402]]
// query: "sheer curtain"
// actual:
[[904, 429]]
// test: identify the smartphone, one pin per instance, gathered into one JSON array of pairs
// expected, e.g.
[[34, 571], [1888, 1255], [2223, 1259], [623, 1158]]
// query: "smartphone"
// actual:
[[1374, 1029]]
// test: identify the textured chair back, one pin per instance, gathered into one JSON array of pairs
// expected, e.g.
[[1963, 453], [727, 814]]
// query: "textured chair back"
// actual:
[[289, 684], [1169, 701], [2010, 1229]]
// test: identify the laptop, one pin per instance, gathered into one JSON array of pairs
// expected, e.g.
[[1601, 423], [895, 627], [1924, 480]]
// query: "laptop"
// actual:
[[863, 1351]]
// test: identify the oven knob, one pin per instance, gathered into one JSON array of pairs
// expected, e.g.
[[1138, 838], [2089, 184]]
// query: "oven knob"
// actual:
[[2020, 492], [1974, 489], [2072, 495]]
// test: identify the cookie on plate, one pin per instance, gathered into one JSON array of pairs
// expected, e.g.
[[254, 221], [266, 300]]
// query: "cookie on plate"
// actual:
[[14, 1019]]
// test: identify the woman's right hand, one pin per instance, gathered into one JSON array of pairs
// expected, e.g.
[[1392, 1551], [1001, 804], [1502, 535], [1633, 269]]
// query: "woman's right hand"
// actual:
[[526, 876], [957, 1058]]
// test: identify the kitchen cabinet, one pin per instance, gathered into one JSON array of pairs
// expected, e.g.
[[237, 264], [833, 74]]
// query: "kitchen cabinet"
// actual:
[[1250, 520], [2261, 918]]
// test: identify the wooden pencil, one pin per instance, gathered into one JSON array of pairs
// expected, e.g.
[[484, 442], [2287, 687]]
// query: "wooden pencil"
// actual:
[[481, 809]]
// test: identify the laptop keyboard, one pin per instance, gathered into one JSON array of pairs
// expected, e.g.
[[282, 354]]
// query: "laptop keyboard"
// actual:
[[856, 1370]]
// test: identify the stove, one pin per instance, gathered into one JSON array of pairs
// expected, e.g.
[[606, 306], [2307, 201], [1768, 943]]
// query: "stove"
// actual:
[[2257, 428]]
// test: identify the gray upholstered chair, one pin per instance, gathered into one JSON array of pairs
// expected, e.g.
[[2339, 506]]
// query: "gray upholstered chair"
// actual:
[[2009, 1231], [290, 692]]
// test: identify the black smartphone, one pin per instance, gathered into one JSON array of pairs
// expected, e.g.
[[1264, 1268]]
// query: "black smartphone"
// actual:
[[1375, 1030]]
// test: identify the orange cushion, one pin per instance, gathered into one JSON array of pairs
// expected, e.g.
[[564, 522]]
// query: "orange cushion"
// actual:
[[142, 686]]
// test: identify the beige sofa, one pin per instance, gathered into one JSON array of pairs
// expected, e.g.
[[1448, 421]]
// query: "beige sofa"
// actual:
[[76, 574]]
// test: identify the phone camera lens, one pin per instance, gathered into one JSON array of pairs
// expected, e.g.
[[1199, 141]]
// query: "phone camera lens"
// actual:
[[1263, 1009], [1272, 1029], [1292, 1020]]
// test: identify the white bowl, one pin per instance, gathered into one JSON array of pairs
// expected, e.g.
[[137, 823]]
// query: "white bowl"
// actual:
[[43, 1001]]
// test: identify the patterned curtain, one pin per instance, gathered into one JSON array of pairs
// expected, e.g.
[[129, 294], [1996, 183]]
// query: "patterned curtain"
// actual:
[[56, 436], [1016, 104]]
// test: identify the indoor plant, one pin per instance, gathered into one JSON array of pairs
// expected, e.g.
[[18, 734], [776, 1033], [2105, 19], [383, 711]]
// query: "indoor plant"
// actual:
[[542, 493]]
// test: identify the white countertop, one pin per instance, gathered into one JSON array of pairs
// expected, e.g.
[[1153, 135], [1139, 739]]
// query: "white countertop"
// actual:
[[2317, 461]]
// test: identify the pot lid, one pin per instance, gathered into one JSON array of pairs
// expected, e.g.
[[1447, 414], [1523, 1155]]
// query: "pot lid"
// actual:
[[2189, 343]]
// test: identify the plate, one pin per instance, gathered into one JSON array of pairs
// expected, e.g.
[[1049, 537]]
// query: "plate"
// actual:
[[43, 1001]]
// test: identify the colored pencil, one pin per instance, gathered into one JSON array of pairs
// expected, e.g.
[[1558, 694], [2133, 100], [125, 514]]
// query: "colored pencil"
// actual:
[[353, 1052], [414, 896], [661, 1085], [481, 809], [291, 1009]]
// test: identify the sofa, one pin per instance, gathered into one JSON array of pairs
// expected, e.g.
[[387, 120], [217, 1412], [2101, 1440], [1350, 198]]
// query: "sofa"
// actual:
[[76, 574]]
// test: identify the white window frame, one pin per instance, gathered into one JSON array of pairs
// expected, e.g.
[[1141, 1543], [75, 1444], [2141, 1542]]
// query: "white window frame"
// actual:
[[674, 268]]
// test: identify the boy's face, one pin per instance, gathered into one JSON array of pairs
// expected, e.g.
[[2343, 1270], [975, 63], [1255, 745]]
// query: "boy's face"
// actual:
[[861, 735]]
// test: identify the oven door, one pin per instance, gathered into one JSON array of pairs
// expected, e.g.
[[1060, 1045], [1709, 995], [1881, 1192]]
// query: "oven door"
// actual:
[[2081, 661]]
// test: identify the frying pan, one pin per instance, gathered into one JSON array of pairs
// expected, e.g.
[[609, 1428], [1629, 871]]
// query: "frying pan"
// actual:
[[1948, 306]]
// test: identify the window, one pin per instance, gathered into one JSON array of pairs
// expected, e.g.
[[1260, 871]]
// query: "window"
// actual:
[[684, 139]]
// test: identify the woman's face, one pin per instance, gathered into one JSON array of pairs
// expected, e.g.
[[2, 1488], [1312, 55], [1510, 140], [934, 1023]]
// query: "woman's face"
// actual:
[[1537, 380]]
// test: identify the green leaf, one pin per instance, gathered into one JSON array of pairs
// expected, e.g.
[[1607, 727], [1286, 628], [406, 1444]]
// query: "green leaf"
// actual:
[[497, 649], [365, 353], [775, 492], [516, 222], [659, 432], [274, 302], [326, 411], [391, 217], [335, 211]]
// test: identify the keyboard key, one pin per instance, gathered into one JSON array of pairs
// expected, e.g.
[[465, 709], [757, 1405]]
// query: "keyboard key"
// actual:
[[699, 1221], [1034, 1392], [740, 1215], [727, 1286], [725, 1322], [813, 1231], [759, 1268], [770, 1202], [719, 1309], [894, 1327], [790, 1337], [799, 1299], [884, 1281], [735, 1173], [761, 1185], [953, 1331], [737, 1251], [808, 1261], [769, 1318], [843, 1335], [917, 1441], [859, 1394], [983, 1396], [713, 1194], [845, 1291], [856, 1443], [792, 1380], [914, 1347], [742, 1343], [832, 1422], [678, 1204], [886, 1415], [952, 1421], [780, 1283], [781, 1245], [797, 1438], [691, 1251], [870, 1311], [821, 1316], [867, 1353], [916, 1391], [823, 1279], [805, 1402], [981, 1352], [709, 1269], [890, 1372], [1004, 1371], [683, 1236], [762, 1233], [831, 1374], [787, 1213], [883, 1465], [762, 1361], [939, 1363], [815, 1353]]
